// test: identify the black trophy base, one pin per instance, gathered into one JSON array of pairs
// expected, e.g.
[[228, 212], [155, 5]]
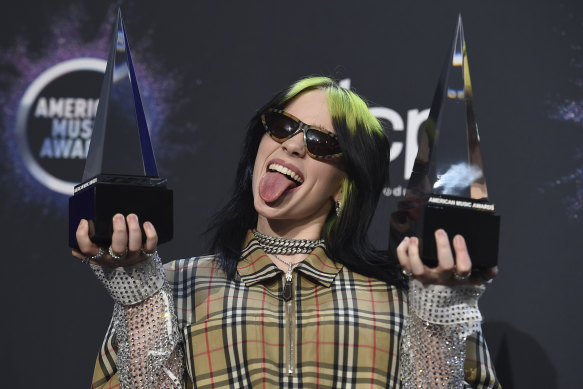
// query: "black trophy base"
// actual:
[[98, 202], [480, 229]]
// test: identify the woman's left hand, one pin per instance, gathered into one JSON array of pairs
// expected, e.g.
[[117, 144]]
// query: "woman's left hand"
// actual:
[[448, 270]]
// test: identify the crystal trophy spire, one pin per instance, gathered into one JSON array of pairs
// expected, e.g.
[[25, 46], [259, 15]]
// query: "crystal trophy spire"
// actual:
[[447, 188], [120, 173]]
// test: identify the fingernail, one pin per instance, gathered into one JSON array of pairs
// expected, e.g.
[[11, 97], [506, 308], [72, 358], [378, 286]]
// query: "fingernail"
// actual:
[[118, 217], [414, 240], [441, 233], [458, 239]]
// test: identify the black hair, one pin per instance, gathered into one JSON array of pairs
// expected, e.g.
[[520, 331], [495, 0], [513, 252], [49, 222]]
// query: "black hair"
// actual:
[[365, 159]]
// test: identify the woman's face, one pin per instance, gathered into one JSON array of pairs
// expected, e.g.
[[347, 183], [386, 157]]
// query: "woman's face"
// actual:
[[305, 196]]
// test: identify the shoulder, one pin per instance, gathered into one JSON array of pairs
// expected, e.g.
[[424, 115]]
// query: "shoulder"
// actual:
[[188, 268], [369, 297], [364, 284]]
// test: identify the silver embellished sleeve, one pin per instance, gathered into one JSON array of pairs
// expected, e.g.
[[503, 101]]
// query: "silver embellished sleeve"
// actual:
[[434, 339], [144, 324]]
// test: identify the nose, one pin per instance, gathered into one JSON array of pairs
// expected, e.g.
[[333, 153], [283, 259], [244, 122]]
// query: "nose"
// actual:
[[295, 145]]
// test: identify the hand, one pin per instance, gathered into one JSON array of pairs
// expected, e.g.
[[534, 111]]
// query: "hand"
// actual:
[[120, 242], [447, 268]]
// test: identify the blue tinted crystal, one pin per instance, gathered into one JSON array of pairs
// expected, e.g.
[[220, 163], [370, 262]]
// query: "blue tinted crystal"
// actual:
[[120, 143]]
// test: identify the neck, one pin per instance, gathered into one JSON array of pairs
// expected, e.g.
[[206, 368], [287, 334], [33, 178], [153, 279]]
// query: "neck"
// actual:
[[279, 229], [289, 230]]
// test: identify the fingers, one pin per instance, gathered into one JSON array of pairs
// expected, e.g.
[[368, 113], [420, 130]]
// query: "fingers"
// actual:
[[83, 241], [450, 270], [408, 254], [402, 254], [135, 234], [151, 237], [444, 254], [417, 266], [463, 264], [119, 239], [442, 274], [78, 254], [126, 243]]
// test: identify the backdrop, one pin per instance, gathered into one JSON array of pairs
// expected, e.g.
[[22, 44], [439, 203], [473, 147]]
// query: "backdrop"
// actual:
[[205, 67]]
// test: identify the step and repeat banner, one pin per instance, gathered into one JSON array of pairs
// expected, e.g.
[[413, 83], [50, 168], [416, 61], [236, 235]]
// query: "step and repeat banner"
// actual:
[[204, 68]]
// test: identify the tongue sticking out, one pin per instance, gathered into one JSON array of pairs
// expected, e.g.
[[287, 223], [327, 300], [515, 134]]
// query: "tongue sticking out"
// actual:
[[272, 186]]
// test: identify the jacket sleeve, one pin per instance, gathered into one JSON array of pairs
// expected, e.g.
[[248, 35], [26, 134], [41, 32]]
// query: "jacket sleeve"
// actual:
[[478, 368], [105, 371], [442, 343], [142, 347]]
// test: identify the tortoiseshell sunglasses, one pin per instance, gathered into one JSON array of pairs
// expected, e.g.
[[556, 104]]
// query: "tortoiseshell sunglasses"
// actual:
[[319, 143]]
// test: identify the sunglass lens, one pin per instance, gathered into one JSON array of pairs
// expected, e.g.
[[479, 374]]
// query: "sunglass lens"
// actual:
[[321, 144], [280, 126]]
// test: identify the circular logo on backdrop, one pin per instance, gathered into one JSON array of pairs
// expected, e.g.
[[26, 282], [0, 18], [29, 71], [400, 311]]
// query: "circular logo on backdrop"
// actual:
[[55, 121]]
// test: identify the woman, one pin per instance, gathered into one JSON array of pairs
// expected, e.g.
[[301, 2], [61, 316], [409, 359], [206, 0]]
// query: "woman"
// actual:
[[294, 294]]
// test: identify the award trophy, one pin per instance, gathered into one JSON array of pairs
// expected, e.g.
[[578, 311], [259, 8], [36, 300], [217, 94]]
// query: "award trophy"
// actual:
[[447, 188], [120, 173]]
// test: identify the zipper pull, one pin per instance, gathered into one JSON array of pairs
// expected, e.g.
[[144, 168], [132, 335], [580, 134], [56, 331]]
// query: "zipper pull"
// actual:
[[287, 288], [287, 291]]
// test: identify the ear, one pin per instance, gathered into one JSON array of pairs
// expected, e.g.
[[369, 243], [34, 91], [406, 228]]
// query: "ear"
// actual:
[[338, 195]]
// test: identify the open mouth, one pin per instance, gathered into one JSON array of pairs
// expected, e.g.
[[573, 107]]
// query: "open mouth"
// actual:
[[279, 180], [290, 175]]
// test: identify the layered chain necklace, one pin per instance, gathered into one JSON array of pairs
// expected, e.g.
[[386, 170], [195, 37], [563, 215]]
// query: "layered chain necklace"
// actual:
[[275, 245]]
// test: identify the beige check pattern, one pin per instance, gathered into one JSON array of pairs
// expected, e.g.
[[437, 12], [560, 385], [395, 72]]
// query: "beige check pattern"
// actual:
[[340, 330]]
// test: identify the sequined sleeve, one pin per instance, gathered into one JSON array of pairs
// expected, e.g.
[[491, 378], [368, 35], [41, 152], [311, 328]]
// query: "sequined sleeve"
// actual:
[[143, 347], [443, 325]]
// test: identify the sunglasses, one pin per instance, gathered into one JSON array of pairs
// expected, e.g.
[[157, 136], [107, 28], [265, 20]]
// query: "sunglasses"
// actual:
[[319, 143]]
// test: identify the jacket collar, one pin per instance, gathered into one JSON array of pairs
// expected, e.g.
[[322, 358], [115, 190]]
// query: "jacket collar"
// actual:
[[255, 265]]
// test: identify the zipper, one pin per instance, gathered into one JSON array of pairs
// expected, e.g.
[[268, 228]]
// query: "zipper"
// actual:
[[287, 295]]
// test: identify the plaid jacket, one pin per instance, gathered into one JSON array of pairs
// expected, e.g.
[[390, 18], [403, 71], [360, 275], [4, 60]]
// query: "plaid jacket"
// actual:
[[339, 330]]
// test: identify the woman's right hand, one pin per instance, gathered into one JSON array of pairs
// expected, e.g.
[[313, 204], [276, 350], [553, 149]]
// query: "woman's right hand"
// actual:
[[124, 238]]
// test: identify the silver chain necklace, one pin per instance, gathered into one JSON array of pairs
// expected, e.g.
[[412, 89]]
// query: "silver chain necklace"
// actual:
[[288, 273], [276, 245]]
